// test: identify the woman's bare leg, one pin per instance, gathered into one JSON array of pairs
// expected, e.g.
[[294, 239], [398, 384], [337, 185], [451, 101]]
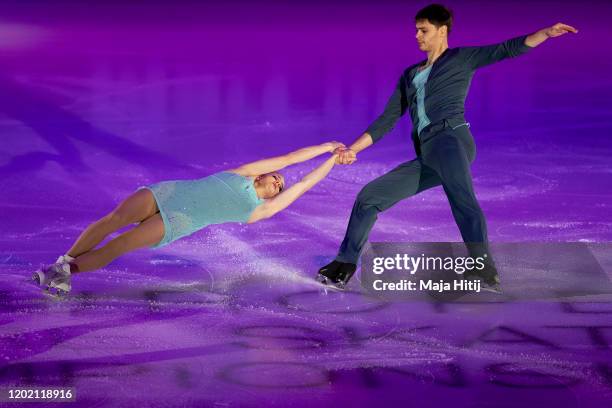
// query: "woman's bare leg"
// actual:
[[136, 208], [148, 233]]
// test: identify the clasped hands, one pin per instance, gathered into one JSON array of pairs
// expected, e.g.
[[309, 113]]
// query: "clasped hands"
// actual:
[[345, 154]]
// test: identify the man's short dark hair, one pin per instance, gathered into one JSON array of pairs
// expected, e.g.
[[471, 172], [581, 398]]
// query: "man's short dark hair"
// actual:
[[437, 15]]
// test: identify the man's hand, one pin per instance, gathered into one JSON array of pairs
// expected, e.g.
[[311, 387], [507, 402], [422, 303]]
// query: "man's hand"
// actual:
[[559, 29], [537, 38], [345, 155]]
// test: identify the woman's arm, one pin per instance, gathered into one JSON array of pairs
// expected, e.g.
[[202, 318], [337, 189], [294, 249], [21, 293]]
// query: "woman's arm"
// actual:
[[276, 163], [284, 199]]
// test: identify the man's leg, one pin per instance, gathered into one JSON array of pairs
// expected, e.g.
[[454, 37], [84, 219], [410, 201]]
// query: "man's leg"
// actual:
[[379, 195], [450, 154]]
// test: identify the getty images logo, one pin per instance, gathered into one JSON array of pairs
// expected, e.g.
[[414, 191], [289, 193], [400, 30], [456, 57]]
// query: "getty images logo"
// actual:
[[412, 264]]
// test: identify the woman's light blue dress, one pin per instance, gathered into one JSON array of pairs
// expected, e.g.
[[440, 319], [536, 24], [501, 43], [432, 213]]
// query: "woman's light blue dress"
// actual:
[[187, 206]]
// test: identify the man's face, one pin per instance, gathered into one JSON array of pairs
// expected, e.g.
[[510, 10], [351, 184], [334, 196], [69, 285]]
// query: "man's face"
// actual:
[[428, 36]]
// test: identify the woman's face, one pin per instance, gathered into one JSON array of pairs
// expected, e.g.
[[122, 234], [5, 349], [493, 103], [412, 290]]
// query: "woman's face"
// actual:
[[273, 184]]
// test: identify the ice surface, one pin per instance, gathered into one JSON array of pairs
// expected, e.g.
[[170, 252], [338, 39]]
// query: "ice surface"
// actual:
[[93, 105]]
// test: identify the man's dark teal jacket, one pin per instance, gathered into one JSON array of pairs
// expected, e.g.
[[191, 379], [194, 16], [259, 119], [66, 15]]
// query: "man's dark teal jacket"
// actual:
[[445, 89]]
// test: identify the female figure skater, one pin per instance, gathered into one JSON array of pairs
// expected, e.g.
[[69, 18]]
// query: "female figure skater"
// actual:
[[170, 210]]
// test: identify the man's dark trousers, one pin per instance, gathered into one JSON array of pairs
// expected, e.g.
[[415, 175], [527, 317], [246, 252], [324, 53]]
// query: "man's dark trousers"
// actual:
[[444, 155]]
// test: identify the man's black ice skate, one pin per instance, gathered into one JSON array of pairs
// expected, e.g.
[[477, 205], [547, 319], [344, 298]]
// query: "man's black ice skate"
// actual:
[[489, 278], [329, 272], [336, 273], [344, 275], [492, 284]]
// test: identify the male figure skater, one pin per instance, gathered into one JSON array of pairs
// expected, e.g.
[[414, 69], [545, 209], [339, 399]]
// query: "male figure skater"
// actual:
[[433, 91]]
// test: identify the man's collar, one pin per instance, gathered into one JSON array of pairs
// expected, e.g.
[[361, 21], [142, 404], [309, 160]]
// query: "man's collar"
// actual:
[[434, 66]]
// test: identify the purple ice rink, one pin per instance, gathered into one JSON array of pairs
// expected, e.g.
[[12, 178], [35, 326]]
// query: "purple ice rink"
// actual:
[[97, 100]]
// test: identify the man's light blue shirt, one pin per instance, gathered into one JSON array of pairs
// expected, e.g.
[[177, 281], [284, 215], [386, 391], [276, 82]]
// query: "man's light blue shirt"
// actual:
[[419, 83]]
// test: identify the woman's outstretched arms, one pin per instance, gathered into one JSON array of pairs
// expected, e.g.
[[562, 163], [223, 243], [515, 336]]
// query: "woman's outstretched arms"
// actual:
[[284, 199], [279, 162]]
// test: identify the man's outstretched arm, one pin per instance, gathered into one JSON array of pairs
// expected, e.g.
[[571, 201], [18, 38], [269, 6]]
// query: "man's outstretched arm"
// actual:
[[537, 38], [478, 57]]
